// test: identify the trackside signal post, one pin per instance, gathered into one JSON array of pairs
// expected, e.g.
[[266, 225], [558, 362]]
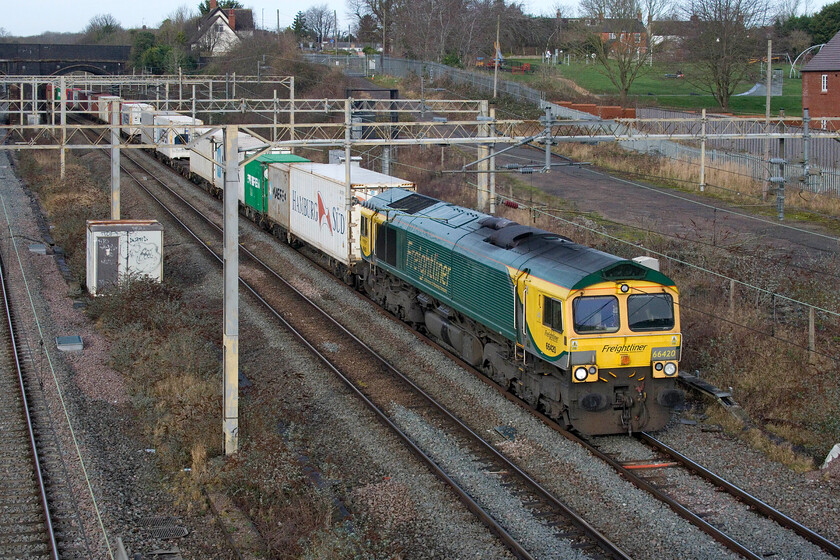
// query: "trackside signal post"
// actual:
[[231, 274]]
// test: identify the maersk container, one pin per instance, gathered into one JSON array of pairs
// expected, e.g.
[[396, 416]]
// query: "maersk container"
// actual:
[[120, 249], [258, 183], [131, 114], [317, 212]]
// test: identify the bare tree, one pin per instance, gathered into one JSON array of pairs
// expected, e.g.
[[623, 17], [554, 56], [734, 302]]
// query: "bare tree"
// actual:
[[618, 41], [101, 27], [319, 20], [384, 12], [726, 35]]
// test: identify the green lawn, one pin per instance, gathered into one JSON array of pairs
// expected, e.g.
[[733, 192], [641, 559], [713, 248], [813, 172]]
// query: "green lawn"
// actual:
[[651, 87]]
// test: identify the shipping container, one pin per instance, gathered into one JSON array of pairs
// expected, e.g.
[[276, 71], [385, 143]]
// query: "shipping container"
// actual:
[[106, 104], [317, 205], [201, 156], [209, 157], [257, 181], [172, 130], [120, 249], [131, 114]]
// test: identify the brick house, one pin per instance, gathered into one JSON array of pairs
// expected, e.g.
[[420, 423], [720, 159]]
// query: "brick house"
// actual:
[[221, 30], [821, 85]]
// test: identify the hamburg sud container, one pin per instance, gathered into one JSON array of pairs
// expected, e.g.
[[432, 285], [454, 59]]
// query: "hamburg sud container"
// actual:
[[131, 116], [318, 207], [119, 249]]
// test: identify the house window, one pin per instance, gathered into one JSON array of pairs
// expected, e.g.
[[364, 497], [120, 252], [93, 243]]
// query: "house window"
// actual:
[[637, 37], [824, 83], [824, 124], [220, 28], [612, 35]]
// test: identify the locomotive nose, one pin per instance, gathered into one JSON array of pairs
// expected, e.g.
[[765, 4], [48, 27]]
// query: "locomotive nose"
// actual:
[[671, 398]]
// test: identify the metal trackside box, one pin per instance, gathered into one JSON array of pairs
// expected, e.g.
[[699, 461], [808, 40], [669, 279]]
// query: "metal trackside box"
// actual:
[[119, 249]]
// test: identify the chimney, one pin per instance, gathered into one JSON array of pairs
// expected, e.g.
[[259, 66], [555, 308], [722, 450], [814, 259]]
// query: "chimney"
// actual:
[[213, 5], [232, 19]]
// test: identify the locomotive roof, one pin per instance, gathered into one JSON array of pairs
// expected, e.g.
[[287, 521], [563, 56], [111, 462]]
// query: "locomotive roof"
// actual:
[[503, 242]]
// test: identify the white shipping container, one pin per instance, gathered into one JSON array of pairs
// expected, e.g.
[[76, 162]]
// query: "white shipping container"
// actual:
[[131, 117], [148, 133], [207, 158], [119, 249], [169, 128], [104, 108], [175, 131], [317, 205], [201, 155]]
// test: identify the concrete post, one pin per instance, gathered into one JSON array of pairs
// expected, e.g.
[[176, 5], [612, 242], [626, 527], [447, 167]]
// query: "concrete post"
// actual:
[[274, 119], [703, 151], [166, 95], [192, 113], [806, 147], [348, 191], [63, 156], [812, 337], [115, 161], [482, 192], [231, 291], [292, 113], [493, 162]]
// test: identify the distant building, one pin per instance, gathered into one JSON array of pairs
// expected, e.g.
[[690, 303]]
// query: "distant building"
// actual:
[[629, 33], [221, 30], [821, 85]]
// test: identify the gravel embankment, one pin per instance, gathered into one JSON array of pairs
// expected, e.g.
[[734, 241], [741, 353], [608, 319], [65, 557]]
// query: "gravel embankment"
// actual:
[[359, 463]]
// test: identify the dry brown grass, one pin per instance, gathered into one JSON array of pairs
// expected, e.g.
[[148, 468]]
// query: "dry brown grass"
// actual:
[[729, 182]]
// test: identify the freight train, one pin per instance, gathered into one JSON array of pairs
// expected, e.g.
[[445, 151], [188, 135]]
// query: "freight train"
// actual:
[[590, 339]]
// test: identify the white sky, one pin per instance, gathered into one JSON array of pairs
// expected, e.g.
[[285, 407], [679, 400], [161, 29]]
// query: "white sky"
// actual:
[[33, 17]]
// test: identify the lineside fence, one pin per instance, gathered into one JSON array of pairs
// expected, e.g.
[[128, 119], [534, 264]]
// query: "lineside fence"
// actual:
[[824, 154]]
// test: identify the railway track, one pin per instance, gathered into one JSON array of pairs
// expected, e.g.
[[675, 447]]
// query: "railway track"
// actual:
[[39, 518], [393, 397], [648, 474], [628, 469]]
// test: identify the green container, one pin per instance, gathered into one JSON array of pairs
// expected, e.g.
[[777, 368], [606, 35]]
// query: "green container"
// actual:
[[256, 178]]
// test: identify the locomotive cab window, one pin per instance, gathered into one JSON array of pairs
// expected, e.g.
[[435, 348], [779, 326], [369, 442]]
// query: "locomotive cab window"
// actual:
[[650, 312], [364, 227], [595, 314], [553, 314]]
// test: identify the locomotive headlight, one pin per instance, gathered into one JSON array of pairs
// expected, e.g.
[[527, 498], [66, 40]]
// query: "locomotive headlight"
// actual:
[[670, 368], [593, 370], [658, 366], [625, 288], [581, 373]]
